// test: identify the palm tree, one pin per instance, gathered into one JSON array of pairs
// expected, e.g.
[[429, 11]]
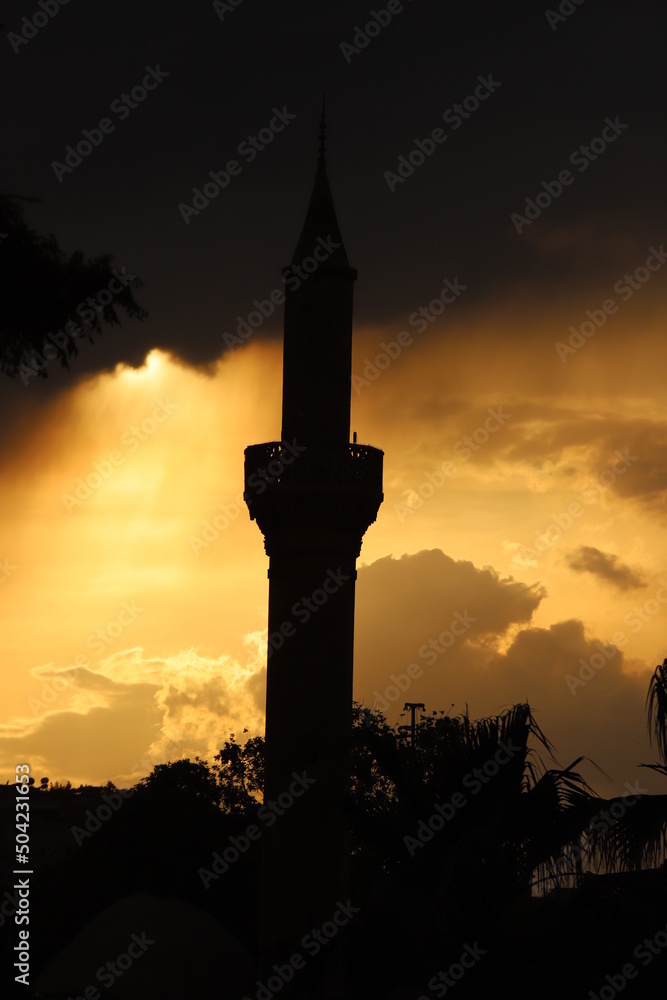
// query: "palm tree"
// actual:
[[450, 832], [637, 841], [656, 703]]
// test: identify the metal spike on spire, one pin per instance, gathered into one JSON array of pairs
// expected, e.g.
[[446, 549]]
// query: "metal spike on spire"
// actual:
[[323, 130], [321, 213]]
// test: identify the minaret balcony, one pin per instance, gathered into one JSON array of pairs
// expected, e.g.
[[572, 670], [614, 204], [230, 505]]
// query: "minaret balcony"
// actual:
[[291, 482]]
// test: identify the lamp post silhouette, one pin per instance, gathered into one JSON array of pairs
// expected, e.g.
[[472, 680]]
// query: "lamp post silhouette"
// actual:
[[313, 508], [413, 706]]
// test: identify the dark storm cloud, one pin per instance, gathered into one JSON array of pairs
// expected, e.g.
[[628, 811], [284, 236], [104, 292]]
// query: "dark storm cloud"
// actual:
[[225, 77], [605, 566]]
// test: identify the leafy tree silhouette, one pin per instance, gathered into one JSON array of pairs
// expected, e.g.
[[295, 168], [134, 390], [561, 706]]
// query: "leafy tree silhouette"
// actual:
[[181, 779], [41, 288], [240, 774]]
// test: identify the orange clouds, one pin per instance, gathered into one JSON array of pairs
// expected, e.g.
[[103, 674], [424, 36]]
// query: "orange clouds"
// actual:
[[518, 467], [408, 613], [588, 559]]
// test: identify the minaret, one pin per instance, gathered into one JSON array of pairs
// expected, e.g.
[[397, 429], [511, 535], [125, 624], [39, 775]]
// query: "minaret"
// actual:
[[313, 503]]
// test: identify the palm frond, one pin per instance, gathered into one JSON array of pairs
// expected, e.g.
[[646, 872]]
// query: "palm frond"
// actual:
[[656, 703], [628, 834]]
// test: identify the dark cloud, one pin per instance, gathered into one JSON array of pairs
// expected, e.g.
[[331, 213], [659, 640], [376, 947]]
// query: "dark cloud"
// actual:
[[451, 217], [607, 567]]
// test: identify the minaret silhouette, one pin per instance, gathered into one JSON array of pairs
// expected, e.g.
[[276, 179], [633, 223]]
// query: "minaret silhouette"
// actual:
[[313, 503]]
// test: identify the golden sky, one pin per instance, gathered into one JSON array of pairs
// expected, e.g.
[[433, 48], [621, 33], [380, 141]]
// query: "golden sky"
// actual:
[[133, 633]]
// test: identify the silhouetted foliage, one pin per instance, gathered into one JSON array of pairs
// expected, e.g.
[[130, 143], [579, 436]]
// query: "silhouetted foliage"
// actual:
[[424, 889], [656, 703], [45, 292], [58, 787], [181, 780], [240, 773]]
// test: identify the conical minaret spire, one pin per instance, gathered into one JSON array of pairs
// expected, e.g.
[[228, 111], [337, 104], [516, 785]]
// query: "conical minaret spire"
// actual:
[[317, 356], [321, 221]]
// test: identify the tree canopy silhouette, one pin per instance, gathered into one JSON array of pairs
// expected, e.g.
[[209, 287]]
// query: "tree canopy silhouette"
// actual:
[[51, 301]]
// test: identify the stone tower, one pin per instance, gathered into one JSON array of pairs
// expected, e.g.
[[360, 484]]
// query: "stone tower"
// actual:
[[313, 494]]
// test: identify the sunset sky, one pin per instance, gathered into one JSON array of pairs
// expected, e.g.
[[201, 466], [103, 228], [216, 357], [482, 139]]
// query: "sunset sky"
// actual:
[[524, 427]]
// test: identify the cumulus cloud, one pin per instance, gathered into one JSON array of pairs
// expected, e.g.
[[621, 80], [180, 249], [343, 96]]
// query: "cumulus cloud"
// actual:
[[133, 711], [407, 614], [607, 567]]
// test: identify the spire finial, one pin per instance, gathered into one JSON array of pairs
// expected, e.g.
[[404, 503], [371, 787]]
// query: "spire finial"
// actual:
[[323, 130]]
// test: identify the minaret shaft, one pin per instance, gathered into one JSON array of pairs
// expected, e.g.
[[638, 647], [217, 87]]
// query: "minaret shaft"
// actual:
[[308, 732], [317, 359]]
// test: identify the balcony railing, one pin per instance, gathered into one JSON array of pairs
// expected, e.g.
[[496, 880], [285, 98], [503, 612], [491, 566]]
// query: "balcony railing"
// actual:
[[280, 465]]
